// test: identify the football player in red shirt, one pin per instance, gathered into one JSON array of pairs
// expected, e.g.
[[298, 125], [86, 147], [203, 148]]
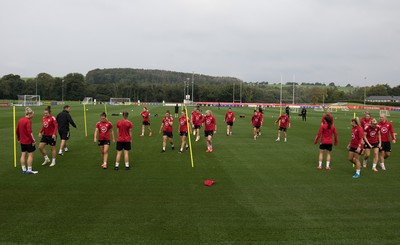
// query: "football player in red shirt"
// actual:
[[48, 134], [183, 130], [197, 119], [166, 127], [145, 121], [27, 141], [326, 131], [355, 146], [210, 128], [103, 130], [366, 120], [372, 140], [229, 119], [386, 131], [283, 125], [124, 140], [256, 121]]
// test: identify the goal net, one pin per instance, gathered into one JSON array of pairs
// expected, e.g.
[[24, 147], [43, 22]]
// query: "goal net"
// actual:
[[29, 100], [87, 100], [318, 108], [120, 101], [384, 112], [345, 108], [332, 109]]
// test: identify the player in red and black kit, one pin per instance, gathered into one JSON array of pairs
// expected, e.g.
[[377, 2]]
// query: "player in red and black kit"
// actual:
[[48, 135], [256, 121], [166, 128], [260, 113], [356, 145], [145, 121], [326, 131], [210, 128], [372, 140], [386, 131], [197, 120], [283, 125], [27, 141], [103, 130], [183, 130], [229, 119], [366, 120], [124, 140]]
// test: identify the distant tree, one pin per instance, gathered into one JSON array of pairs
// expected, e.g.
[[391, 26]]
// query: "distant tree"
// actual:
[[332, 84], [349, 85]]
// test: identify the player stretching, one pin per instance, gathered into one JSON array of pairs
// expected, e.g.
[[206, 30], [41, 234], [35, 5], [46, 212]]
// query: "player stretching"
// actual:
[[355, 146], [386, 131], [183, 131], [210, 128], [48, 135], [366, 120], [124, 140], [283, 125], [27, 141], [103, 129], [166, 127], [229, 119], [326, 130], [145, 121], [256, 122], [372, 140]]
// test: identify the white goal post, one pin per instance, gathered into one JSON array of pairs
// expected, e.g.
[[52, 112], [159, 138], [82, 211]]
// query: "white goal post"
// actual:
[[87, 100], [29, 100], [384, 112], [120, 101]]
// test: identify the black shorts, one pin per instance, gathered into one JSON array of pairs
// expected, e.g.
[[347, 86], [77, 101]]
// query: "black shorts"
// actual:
[[282, 129], [104, 142], [257, 127], [123, 146], [28, 148], [48, 140], [229, 123], [327, 147], [64, 134], [183, 133], [355, 150], [386, 146], [374, 145], [146, 123], [197, 126], [208, 133], [168, 134]]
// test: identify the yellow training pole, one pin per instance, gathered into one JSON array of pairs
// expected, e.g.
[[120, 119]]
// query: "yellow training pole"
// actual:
[[354, 115], [105, 108], [15, 139], [84, 118], [189, 133]]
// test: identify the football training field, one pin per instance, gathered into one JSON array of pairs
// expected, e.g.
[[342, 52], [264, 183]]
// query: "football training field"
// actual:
[[266, 192]]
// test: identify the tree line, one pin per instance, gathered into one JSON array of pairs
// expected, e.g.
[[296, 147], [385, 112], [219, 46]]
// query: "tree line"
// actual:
[[159, 85]]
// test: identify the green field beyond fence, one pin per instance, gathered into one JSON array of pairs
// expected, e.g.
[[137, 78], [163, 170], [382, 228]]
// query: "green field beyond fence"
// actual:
[[266, 192]]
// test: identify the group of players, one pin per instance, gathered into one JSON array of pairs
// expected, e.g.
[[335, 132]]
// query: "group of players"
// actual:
[[367, 135]]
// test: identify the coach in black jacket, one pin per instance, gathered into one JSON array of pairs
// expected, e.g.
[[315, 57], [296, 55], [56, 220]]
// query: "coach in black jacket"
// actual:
[[63, 120]]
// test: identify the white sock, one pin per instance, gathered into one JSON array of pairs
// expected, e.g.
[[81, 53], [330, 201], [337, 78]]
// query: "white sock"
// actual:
[[53, 160], [327, 163], [163, 148], [374, 165], [30, 168], [117, 164], [23, 168], [358, 171], [320, 163], [126, 164], [46, 158], [181, 149]]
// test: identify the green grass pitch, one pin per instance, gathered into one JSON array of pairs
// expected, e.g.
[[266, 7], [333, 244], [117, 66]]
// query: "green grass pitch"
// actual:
[[266, 192]]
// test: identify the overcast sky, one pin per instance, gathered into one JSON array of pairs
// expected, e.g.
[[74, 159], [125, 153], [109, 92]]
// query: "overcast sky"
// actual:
[[341, 41]]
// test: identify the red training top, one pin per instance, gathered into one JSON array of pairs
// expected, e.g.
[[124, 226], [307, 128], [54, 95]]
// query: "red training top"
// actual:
[[326, 134], [145, 115], [357, 135], [386, 131], [230, 116], [285, 120], [256, 120], [365, 122], [167, 126], [209, 123], [182, 124], [124, 130], [104, 130], [49, 126], [372, 133], [24, 131], [197, 118]]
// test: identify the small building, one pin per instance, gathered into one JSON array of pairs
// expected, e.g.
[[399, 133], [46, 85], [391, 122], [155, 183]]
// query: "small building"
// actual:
[[383, 99]]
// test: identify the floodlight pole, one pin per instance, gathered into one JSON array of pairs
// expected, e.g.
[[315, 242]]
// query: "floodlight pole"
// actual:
[[365, 90], [193, 87], [293, 89], [62, 90], [280, 100]]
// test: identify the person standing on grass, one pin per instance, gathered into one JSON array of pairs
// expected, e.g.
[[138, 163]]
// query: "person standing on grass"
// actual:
[[355, 146], [366, 120], [166, 127], [64, 119], [103, 130], [210, 128], [304, 114], [183, 131], [48, 135], [176, 111], [124, 140], [325, 132], [261, 116], [287, 110], [256, 120], [27, 141], [372, 140], [283, 125], [386, 131], [229, 119], [145, 121], [197, 120]]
